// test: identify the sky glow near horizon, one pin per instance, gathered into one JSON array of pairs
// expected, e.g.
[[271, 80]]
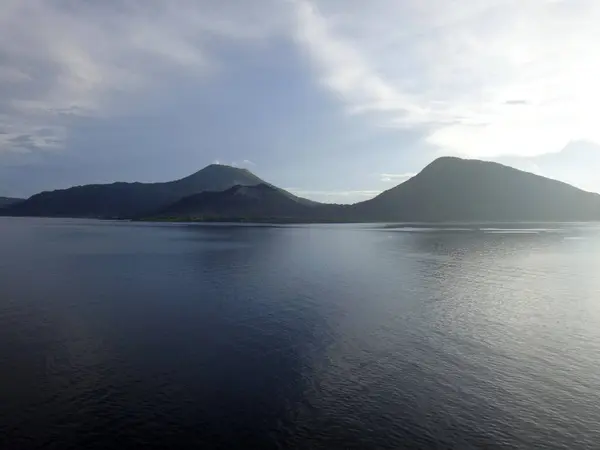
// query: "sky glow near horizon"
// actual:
[[334, 99]]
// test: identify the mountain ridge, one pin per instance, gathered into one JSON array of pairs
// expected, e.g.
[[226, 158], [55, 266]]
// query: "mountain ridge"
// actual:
[[238, 202], [8, 201], [457, 189], [448, 189], [131, 199]]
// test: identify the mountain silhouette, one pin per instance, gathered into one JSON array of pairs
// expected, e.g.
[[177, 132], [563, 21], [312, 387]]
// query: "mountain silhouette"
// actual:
[[129, 200], [447, 190], [455, 189], [259, 202], [8, 201]]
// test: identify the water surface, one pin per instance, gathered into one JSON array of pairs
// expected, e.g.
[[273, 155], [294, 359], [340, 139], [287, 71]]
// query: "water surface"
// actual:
[[122, 335]]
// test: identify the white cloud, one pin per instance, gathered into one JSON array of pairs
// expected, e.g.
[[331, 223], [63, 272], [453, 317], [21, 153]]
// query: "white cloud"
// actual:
[[344, 69], [479, 78], [241, 164], [396, 177], [459, 72]]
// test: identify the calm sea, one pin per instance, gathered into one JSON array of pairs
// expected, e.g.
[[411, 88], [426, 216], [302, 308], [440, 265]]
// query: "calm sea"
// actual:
[[123, 335]]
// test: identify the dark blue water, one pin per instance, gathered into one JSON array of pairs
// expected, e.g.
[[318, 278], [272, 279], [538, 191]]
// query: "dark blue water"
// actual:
[[117, 335]]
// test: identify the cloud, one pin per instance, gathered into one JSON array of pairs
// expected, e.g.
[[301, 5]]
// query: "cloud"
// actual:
[[396, 177], [28, 139], [243, 163], [408, 65], [448, 72], [106, 85], [60, 60], [345, 70], [516, 102]]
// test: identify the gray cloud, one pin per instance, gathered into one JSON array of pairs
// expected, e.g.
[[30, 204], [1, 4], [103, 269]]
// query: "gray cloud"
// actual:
[[94, 91], [65, 59], [516, 102]]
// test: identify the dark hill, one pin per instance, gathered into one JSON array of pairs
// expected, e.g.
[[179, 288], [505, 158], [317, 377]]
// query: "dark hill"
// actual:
[[257, 202], [128, 200], [447, 190], [454, 189], [8, 201]]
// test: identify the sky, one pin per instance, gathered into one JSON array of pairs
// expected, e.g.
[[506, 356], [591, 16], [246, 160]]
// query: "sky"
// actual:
[[335, 100]]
